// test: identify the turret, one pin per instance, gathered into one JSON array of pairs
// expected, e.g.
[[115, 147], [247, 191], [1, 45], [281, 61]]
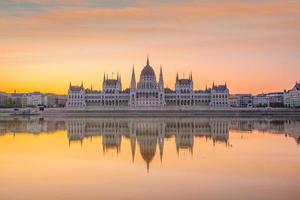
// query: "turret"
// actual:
[[191, 76], [161, 80], [148, 63], [133, 82], [103, 83]]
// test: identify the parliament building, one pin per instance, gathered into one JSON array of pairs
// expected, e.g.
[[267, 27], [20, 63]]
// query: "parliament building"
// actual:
[[148, 93]]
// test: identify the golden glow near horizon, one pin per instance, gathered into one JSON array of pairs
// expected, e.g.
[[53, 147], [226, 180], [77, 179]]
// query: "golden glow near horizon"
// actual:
[[78, 171], [252, 45]]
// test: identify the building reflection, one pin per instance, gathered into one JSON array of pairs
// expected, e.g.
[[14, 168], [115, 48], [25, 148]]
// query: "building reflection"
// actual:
[[149, 134]]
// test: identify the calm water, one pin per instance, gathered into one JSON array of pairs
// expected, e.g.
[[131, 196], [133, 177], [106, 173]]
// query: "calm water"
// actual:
[[149, 158]]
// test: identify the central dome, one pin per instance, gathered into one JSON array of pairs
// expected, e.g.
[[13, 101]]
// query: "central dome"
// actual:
[[147, 78], [148, 70]]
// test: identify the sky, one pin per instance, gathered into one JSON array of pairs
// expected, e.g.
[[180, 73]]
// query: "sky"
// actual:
[[253, 46]]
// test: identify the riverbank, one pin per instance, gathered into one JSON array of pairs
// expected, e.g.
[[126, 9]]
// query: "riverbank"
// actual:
[[182, 112]]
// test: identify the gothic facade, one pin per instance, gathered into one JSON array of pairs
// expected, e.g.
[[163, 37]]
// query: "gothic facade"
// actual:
[[148, 93]]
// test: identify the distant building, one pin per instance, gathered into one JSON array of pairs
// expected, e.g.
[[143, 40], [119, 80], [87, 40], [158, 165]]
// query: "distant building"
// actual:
[[35, 99], [54, 100], [232, 101], [3, 99], [147, 93], [292, 97], [219, 96], [19, 99], [276, 99], [244, 100], [261, 100]]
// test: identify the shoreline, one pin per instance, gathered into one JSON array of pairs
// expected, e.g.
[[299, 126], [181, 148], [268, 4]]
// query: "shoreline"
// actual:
[[183, 112]]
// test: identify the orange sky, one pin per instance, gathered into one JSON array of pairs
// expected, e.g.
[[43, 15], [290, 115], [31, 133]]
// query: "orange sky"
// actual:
[[252, 45]]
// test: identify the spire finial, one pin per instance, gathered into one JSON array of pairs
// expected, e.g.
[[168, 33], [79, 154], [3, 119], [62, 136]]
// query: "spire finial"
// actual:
[[70, 84], [148, 63], [133, 69]]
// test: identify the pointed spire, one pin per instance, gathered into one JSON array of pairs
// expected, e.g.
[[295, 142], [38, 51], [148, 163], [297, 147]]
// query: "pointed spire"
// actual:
[[133, 144], [161, 148], [191, 76], [104, 77], [225, 84], [133, 83], [81, 84], [177, 77], [148, 63], [213, 83], [70, 84], [148, 166], [161, 78], [133, 70]]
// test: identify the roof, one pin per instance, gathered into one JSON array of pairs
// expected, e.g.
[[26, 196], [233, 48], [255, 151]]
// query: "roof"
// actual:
[[18, 94], [111, 81], [297, 86], [75, 88], [184, 81], [3, 94], [127, 90], [148, 71], [220, 87], [201, 91], [168, 90], [91, 91]]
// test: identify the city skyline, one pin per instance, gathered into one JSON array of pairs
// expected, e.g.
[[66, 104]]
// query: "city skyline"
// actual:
[[251, 45]]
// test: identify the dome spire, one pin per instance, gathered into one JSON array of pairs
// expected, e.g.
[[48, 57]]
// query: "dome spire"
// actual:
[[148, 63]]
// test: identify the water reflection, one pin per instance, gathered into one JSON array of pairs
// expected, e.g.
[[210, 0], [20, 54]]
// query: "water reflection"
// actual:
[[150, 133], [192, 157]]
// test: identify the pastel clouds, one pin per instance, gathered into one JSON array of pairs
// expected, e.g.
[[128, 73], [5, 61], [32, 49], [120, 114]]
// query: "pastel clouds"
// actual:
[[217, 40]]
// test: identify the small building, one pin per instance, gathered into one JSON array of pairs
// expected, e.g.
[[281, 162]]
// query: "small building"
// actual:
[[54, 100], [35, 99], [292, 97], [232, 101], [261, 100], [276, 99], [19, 100], [244, 100], [3, 99]]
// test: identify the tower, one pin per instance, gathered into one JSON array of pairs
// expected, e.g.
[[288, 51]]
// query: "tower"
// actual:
[[133, 82], [132, 88], [103, 82], [161, 80], [161, 88]]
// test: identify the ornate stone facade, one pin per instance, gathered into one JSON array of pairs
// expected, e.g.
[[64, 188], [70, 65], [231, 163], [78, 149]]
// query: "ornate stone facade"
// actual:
[[148, 93]]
